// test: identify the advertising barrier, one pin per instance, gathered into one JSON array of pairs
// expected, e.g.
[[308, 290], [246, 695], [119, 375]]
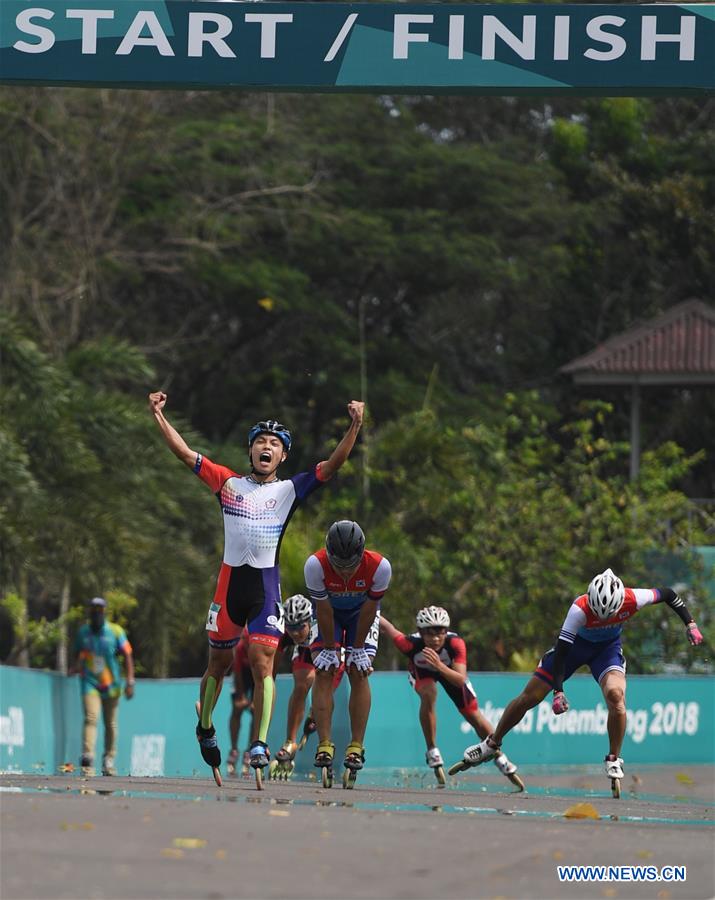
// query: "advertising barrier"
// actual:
[[670, 719]]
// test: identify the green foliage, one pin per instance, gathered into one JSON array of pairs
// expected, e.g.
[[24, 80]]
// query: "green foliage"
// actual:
[[504, 525], [229, 246]]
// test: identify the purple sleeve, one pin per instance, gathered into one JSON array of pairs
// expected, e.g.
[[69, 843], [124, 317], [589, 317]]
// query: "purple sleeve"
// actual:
[[307, 482]]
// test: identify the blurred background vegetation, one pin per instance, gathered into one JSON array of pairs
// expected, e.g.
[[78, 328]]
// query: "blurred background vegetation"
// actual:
[[275, 256]]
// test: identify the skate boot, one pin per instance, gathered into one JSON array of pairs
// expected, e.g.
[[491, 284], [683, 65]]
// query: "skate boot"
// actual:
[[614, 770], [476, 755], [324, 762], [309, 726], [282, 766], [434, 760], [508, 769], [108, 766], [246, 763], [260, 757], [86, 765], [353, 762], [231, 761], [209, 746]]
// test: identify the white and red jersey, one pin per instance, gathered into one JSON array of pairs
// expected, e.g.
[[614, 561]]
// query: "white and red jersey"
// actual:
[[582, 622], [369, 582], [255, 513]]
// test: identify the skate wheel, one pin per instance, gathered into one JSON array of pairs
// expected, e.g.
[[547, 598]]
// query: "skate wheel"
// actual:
[[349, 778], [273, 772], [440, 776], [217, 776], [327, 777], [457, 767], [515, 780], [616, 788], [259, 779]]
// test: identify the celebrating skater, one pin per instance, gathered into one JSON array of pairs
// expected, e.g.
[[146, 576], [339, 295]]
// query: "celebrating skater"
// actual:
[[256, 510], [590, 636], [439, 656]]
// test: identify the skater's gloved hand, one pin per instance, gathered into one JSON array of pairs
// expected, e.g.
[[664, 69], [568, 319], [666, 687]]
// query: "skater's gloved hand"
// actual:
[[326, 660], [359, 658], [560, 704], [694, 635]]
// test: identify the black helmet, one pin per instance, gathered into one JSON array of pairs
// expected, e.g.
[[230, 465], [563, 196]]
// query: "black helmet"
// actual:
[[270, 426], [345, 543]]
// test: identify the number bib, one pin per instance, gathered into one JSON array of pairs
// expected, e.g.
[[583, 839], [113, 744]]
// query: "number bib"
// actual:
[[212, 617]]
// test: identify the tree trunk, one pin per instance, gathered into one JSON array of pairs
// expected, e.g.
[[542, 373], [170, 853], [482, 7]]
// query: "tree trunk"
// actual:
[[62, 642], [23, 656]]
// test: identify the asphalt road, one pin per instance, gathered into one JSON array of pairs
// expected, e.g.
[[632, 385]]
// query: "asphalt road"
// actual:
[[67, 837]]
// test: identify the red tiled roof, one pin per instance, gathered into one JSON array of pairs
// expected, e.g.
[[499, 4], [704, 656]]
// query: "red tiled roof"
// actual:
[[679, 343]]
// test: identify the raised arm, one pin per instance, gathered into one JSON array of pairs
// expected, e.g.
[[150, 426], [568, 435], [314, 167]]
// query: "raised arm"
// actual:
[[330, 466], [175, 442]]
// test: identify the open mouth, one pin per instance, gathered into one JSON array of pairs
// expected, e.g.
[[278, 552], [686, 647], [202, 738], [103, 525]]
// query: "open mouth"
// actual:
[[265, 457]]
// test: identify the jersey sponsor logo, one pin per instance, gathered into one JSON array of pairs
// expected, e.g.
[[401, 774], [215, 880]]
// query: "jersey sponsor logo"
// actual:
[[271, 504], [266, 639], [275, 622], [360, 583]]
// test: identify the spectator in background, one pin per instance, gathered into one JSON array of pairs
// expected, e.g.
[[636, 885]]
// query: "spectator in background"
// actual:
[[98, 646]]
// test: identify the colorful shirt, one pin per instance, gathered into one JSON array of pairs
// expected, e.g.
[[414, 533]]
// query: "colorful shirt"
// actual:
[[255, 513], [369, 582], [582, 622], [99, 658], [454, 650]]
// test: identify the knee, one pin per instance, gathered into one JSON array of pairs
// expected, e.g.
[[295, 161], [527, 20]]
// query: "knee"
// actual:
[[261, 671], [262, 666], [616, 698], [216, 668]]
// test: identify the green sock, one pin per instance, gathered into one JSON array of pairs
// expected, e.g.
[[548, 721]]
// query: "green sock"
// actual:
[[208, 702], [267, 708]]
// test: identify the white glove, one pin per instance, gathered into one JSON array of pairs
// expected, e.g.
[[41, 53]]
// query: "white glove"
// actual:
[[358, 657], [327, 660]]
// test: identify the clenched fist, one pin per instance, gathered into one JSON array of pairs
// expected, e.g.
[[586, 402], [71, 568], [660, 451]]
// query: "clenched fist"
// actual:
[[157, 401]]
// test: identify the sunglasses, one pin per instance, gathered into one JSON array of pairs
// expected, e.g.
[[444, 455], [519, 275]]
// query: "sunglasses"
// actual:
[[433, 631]]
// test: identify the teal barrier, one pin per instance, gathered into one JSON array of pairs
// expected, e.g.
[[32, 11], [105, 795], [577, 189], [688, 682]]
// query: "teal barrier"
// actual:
[[670, 719]]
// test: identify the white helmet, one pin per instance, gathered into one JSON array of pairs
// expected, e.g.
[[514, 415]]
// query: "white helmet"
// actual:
[[433, 617], [606, 594], [298, 610]]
